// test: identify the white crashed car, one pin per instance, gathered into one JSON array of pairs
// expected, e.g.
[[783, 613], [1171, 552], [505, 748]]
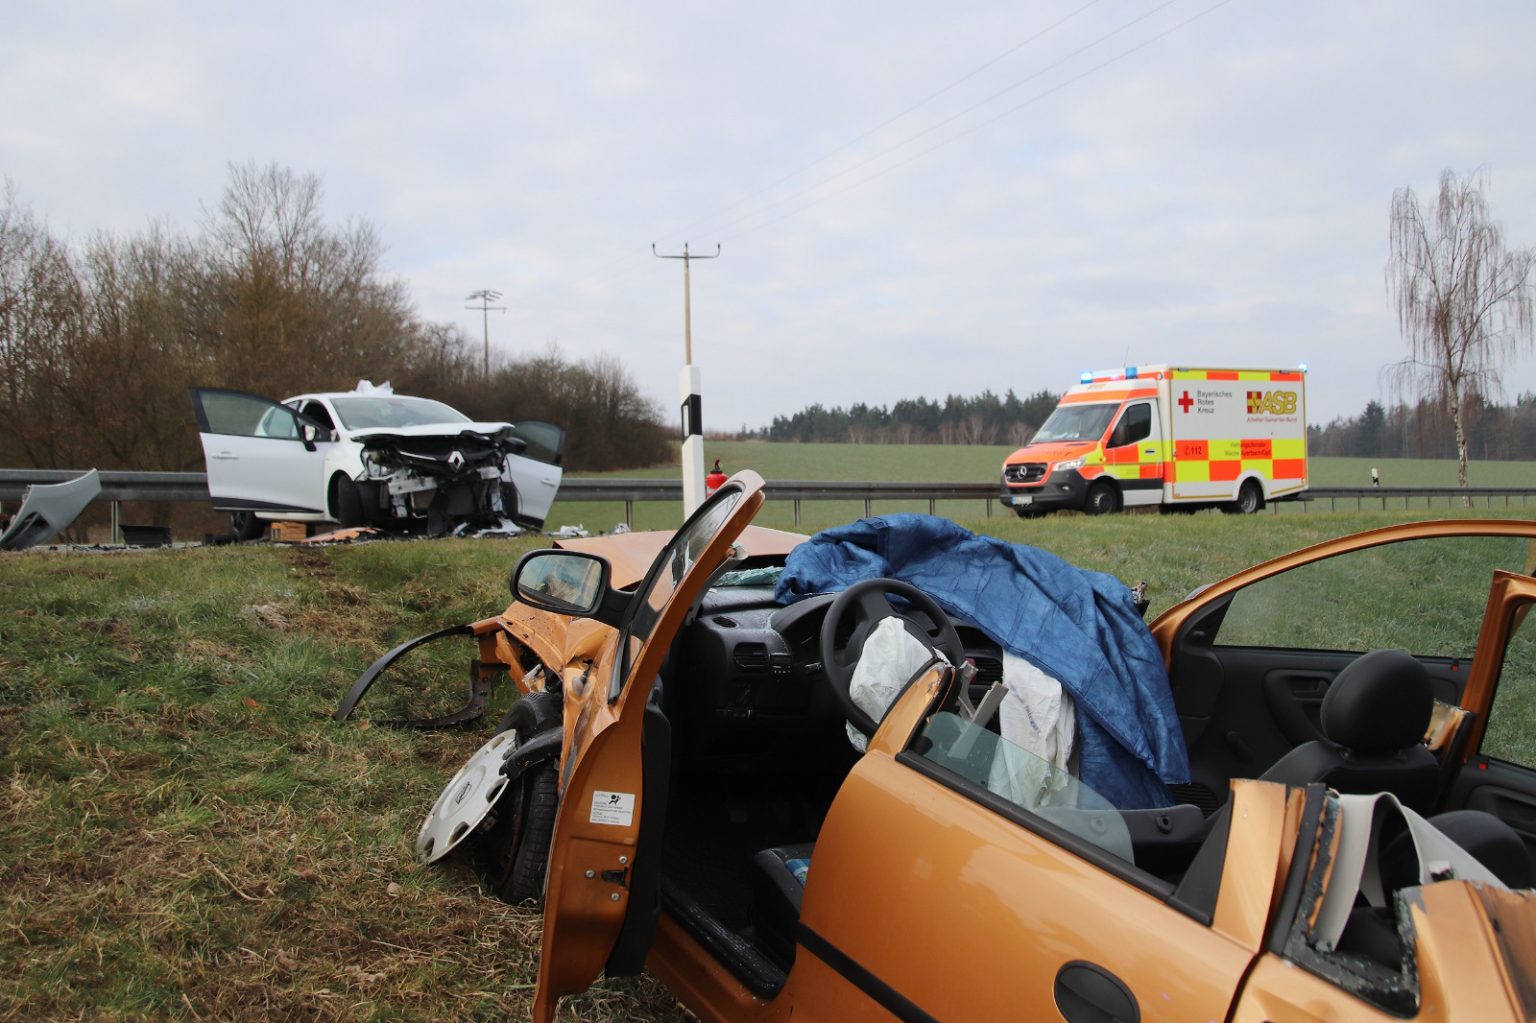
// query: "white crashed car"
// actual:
[[372, 457]]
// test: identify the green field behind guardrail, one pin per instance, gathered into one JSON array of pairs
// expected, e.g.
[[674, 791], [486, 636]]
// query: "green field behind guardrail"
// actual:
[[942, 463]]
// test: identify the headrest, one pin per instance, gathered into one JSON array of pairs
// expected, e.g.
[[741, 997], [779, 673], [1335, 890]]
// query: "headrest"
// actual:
[[1379, 703], [1491, 842]]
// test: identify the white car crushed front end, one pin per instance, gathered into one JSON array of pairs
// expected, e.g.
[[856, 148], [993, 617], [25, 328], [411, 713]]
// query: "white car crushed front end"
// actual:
[[456, 480]]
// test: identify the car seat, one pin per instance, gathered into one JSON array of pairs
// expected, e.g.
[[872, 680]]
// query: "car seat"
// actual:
[[1373, 932], [777, 891], [1374, 717]]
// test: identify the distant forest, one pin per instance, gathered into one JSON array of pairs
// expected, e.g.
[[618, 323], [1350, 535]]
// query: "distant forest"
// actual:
[[984, 419], [1495, 432]]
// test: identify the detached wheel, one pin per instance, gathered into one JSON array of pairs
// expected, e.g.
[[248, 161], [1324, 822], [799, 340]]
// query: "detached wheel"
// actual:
[[1103, 499], [1250, 499], [514, 849]]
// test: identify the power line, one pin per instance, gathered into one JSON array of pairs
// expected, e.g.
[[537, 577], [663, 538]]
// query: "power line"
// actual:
[[486, 297], [982, 124], [893, 118], [972, 108], [859, 138], [807, 191]]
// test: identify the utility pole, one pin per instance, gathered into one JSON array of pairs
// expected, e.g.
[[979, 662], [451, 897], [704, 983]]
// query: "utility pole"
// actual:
[[689, 386], [486, 297]]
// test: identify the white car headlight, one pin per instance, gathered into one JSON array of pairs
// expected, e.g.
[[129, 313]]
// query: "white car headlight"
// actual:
[[1071, 463]]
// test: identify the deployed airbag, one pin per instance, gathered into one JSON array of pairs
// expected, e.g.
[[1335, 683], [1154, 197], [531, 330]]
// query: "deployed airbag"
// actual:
[[1077, 626]]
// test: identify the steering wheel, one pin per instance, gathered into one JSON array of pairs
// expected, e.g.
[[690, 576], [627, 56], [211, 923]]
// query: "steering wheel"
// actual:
[[867, 602]]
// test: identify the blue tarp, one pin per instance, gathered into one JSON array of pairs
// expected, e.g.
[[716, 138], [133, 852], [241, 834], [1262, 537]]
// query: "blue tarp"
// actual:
[[1080, 627]]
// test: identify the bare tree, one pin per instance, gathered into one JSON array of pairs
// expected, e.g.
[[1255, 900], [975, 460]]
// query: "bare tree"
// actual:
[[40, 321], [1463, 300]]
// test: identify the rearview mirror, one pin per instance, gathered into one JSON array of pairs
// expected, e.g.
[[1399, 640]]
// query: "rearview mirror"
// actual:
[[565, 582]]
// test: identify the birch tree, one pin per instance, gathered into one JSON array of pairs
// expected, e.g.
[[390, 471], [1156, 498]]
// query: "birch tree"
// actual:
[[1463, 300]]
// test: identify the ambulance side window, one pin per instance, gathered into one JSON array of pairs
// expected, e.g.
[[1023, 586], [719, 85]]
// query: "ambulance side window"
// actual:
[[1135, 424]]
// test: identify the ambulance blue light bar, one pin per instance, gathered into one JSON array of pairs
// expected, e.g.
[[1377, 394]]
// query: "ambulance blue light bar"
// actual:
[[1100, 375]]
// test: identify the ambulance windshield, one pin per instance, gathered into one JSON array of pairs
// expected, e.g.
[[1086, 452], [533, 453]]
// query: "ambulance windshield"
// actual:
[[1076, 422]]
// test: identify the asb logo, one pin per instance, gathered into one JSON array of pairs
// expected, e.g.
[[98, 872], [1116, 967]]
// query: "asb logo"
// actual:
[[1274, 403]]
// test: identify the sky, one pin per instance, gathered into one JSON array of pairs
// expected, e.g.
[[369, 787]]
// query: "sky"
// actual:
[[910, 199]]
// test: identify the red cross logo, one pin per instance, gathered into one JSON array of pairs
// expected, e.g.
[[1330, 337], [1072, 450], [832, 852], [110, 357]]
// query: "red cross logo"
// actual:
[[1186, 402]]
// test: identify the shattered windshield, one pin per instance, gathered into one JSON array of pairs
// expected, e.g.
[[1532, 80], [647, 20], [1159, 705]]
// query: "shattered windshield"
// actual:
[[671, 567], [389, 411], [1075, 422]]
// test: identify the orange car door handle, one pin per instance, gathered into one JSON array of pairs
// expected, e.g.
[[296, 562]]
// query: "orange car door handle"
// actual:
[[1088, 992]]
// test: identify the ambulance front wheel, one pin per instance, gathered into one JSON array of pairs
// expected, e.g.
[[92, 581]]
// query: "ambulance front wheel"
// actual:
[[1103, 499]]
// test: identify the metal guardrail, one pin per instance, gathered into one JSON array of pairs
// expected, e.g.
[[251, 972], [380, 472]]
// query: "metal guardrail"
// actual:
[[1385, 497], [115, 485], [120, 486], [794, 491]]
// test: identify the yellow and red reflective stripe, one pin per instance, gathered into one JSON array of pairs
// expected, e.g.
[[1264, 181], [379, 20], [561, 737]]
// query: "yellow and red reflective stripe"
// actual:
[[1107, 395]]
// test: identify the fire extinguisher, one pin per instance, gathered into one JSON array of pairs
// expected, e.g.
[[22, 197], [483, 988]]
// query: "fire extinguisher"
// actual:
[[713, 479]]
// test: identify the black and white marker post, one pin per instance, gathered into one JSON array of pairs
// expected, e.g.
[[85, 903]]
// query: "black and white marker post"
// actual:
[[692, 396]]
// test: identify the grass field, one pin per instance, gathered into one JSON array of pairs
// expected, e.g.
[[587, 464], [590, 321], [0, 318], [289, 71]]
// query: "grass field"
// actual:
[[942, 463], [190, 836]]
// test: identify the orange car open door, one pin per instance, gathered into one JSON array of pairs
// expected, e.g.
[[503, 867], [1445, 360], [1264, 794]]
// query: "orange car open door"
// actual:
[[602, 896]]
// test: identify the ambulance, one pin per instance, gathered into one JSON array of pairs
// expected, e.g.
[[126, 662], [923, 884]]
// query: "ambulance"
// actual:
[[1179, 437]]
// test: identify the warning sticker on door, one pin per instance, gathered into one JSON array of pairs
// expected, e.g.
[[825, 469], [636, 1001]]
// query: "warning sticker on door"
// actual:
[[613, 808]]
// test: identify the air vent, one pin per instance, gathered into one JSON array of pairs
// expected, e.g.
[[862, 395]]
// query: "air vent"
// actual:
[[752, 657], [1198, 794], [988, 671]]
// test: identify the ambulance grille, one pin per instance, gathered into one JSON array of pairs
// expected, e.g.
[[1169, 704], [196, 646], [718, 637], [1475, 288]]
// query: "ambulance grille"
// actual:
[[1025, 472]]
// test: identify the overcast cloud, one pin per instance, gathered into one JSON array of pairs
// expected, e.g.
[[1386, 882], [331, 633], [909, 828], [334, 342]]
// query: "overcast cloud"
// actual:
[[1087, 184]]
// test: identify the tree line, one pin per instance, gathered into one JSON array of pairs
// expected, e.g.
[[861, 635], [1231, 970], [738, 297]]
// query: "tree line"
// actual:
[[100, 340], [1491, 432], [983, 419], [1418, 430]]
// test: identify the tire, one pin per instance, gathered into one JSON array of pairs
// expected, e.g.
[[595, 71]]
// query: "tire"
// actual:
[[530, 715], [1103, 499], [514, 850], [509, 500], [347, 503], [245, 525], [1250, 499]]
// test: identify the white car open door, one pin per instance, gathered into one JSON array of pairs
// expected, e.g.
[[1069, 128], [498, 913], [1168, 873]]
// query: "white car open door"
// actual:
[[260, 455], [536, 472]]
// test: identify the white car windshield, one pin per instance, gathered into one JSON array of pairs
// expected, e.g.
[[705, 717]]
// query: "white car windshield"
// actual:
[[375, 411]]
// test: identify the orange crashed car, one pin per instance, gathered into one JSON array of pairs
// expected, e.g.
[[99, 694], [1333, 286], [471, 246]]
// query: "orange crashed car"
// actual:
[[1345, 831]]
